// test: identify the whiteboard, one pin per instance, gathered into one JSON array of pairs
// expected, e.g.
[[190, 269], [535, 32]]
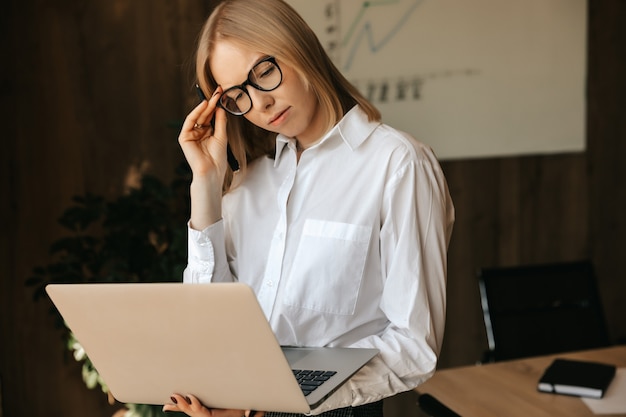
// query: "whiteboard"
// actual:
[[475, 78]]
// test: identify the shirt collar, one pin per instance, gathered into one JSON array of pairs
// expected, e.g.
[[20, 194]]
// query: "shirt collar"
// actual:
[[353, 129]]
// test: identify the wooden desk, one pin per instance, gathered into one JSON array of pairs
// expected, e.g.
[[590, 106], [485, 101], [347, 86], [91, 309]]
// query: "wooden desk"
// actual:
[[509, 388]]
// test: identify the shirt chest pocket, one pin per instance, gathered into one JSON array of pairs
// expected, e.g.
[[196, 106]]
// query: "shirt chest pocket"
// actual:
[[328, 267]]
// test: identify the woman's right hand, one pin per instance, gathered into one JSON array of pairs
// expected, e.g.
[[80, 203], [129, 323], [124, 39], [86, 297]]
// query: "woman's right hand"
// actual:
[[204, 147]]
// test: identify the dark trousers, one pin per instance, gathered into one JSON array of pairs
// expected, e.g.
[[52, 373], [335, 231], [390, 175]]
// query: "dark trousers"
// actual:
[[366, 410]]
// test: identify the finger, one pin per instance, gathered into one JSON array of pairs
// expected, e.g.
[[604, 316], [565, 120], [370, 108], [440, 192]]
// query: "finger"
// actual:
[[174, 405], [220, 125], [193, 401], [194, 115], [216, 96], [181, 402], [204, 119], [170, 407]]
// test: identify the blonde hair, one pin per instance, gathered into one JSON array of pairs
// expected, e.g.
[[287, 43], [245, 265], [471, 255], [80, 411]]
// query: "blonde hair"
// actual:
[[274, 28]]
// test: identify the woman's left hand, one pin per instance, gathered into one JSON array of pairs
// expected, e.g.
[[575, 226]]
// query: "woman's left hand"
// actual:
[[191, 406]]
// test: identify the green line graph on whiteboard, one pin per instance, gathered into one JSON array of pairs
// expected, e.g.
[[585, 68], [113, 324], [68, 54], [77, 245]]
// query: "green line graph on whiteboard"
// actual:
[[363, 29]]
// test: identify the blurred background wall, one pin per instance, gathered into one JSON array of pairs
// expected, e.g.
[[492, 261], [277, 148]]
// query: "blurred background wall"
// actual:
[[91, 94]]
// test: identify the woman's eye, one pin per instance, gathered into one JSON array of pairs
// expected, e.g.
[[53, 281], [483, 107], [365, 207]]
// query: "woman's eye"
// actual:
[[268, 71], [264, 69], [234, 95], [239, 96]]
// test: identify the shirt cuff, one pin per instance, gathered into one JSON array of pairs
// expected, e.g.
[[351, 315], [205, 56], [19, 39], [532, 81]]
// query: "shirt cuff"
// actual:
[[205, 251]]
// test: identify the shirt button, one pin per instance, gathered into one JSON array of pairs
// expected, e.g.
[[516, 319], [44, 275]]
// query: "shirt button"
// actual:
[[270, 283]]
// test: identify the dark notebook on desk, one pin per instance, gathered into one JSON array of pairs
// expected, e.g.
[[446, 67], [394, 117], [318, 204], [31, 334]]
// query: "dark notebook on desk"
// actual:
[[576, 377]]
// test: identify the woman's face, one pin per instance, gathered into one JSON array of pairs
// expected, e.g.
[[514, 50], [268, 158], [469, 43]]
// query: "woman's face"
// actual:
[[290, 109]]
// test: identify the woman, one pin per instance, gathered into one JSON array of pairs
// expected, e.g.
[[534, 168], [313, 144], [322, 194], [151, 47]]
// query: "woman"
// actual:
[[339, 223]]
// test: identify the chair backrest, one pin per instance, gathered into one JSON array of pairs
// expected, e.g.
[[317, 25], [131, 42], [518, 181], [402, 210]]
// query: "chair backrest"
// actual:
[[541, 309]]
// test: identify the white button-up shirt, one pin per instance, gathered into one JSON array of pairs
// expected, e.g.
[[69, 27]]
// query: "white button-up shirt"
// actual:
[[345, 247]]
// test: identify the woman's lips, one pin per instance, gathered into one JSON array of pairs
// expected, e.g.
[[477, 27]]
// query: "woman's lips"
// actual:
[[279, 117]]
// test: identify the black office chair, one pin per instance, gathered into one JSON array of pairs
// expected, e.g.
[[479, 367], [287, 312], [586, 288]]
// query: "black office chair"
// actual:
[[541, 309]]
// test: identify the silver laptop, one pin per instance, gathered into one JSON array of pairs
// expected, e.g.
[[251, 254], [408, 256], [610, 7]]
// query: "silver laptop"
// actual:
[[149, 341]]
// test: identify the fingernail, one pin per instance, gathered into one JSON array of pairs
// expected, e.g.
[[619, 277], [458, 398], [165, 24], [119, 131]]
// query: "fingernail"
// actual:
[[174, 400], [188, 400]]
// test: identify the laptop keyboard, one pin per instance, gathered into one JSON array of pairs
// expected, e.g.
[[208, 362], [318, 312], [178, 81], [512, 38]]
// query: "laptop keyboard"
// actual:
[[310, 380]]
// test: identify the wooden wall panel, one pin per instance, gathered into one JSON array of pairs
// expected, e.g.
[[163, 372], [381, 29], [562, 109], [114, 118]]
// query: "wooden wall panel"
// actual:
[[606, 120], [90, 89]]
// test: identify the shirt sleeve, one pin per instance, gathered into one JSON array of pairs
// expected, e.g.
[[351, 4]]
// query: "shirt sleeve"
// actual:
[[417, 223], [206, 259]]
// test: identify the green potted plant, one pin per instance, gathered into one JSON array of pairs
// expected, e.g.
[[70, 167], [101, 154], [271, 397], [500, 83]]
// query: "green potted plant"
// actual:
[[140, 236]]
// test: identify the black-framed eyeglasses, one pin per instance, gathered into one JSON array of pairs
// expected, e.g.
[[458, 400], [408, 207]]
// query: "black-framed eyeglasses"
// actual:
[[264, 76]]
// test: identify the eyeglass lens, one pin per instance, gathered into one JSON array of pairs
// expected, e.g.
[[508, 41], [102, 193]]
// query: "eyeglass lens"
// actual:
[[264, 76]]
